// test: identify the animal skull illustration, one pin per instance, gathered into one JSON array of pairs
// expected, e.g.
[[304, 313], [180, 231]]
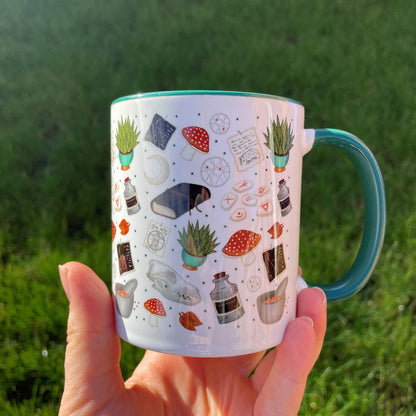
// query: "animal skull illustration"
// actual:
[[171, 285]]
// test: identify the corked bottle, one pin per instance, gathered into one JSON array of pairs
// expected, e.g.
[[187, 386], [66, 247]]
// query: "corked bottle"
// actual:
[[130, 196], [226, 299], [284, 198]]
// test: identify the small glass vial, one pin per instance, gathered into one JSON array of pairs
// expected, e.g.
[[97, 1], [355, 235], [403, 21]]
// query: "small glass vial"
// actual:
[[284, 199], [130, 196], [226, 299]]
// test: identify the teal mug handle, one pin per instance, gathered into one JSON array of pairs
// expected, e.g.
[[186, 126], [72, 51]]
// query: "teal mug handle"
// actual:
[[374, 217]]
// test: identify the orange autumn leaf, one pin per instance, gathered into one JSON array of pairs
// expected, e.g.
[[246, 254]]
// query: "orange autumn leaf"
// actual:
[[124, 227], [189, 320], [275, 230]]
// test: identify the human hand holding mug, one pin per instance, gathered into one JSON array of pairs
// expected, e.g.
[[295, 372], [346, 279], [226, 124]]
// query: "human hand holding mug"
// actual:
[[165, 384], [206, 190]]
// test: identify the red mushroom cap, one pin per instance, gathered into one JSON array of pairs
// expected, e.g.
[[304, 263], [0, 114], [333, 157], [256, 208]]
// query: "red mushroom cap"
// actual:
[[155, 306], [197, 137], [241, 243]]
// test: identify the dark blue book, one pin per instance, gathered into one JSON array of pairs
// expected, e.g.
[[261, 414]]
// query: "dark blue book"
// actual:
[[160, 132], [179, 199]]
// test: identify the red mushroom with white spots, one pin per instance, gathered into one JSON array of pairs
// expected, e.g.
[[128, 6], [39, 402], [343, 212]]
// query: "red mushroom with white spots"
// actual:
[[197, 138], [156, 309], [241, 244]]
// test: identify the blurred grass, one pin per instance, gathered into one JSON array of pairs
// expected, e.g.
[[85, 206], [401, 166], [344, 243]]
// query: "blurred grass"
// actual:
[[62, 63]]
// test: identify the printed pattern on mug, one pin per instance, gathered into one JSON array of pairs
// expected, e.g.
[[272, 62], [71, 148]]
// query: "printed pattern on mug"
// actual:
[[201, 214]]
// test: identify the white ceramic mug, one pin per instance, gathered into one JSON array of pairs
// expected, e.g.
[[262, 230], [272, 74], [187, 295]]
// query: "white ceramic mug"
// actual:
[[206, 191]]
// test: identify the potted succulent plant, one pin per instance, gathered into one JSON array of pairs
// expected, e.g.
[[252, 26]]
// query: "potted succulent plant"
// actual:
[[126, 140], [197, 242], [279, 139]]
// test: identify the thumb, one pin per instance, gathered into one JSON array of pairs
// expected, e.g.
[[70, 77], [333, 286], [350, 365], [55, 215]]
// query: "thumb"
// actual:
[[92, 371]]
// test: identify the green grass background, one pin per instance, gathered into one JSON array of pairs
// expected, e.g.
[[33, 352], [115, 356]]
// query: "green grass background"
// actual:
[[351, 63]]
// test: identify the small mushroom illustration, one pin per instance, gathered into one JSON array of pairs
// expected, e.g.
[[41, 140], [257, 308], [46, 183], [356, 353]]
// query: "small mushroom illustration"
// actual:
[[242, 243], [197, 138], [156, 309]]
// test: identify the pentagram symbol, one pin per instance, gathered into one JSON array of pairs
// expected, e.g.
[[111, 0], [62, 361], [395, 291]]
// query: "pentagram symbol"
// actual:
[[215, 171], [155, 240], [219, 123]]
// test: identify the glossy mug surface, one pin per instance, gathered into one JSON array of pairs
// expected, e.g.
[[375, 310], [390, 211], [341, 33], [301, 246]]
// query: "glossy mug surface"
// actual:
[[206, 194]]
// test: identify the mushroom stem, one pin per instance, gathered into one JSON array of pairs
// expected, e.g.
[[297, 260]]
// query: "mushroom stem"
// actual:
[[248, 258], [153, 320], [188, 152]]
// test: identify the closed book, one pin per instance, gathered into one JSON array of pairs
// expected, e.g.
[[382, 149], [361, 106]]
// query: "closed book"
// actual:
[[178, 199]]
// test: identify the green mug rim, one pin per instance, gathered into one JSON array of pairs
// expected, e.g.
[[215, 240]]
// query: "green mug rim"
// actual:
[[203, 92]]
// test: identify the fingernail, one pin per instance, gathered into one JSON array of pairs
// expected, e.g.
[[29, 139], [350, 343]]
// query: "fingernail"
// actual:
[[323, 295], [63, 274], [307, 319]]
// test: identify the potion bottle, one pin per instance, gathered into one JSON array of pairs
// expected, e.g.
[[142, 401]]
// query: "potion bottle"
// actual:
[[130, 196], [226, 299], [284, 198]]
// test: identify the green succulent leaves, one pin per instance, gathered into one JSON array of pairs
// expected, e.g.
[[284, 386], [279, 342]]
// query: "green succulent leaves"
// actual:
[[280, 139], [198, 241], [126, 136]]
